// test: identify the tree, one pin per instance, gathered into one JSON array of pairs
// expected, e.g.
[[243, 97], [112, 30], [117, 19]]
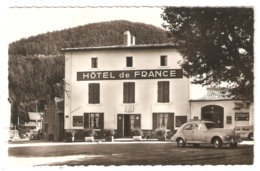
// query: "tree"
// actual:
[[216, 45]]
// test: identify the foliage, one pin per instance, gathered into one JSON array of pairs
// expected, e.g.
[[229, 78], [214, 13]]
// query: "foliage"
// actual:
[[89, 132], [160, 131], [36, 67], [95, 34], [109, 132], [216, 45], [136, 132]]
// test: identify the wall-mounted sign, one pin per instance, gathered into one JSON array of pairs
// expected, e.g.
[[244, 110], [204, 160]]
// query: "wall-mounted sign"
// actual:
[[242, 116], [129, 74], [129, 108]]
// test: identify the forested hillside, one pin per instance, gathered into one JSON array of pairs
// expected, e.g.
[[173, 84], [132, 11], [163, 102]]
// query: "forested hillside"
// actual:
[[36, 65], [97, 34]]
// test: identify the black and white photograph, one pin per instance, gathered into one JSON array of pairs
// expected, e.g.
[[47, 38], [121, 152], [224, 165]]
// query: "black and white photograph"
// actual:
[[129, 85]]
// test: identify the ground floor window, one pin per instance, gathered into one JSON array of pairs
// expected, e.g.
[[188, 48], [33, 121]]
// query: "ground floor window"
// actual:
[[94, 120], [77, 120], [163, 120], [180, 120]]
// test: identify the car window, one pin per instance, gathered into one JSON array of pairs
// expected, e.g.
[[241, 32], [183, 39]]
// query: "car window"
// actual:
[[188, 127], [210, 125]]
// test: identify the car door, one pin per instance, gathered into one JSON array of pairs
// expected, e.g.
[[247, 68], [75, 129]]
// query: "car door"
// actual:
[[188, 132], [200, 133]]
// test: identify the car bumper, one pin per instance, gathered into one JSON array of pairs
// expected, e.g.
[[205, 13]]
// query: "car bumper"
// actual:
[[232, 140]]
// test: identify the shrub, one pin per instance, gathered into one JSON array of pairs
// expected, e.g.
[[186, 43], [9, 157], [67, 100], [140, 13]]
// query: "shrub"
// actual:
[[160, 131], [89, 132], [109, 132], [79, 136], [136, 132]]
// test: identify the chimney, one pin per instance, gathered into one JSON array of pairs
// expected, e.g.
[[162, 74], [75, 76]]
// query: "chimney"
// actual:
[[127, 38], [133, 40]]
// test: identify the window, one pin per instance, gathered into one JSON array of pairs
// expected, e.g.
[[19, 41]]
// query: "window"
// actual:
[[180, 120], [77, 120], [189, 127], [163, 92], [242, 116], [129, 61], [94, 120], [229, 119], [93, 93], [163, 60], [94, 62], [129, 92], [163, 120]]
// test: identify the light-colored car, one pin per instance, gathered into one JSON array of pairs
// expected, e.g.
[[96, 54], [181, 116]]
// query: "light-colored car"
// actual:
[[205, 132], [245, 132]]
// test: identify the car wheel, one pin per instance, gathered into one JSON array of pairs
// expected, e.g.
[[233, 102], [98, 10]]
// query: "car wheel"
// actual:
[[251, 136], [217, 143], [233, 145], [180, 142]]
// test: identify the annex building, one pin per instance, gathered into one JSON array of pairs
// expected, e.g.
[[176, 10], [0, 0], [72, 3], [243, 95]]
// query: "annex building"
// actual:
[[126, 86]]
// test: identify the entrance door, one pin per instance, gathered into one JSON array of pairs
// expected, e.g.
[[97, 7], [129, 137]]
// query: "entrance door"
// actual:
[[126, 122], [213, 113]]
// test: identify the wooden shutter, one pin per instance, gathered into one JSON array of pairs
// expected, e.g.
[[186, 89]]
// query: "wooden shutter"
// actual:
[[86, 120], [90, 93], [131, 92], [101, 121], [170, 124], [154, 121], [96, 93], [166, 91], [125, 89], [160, 91]]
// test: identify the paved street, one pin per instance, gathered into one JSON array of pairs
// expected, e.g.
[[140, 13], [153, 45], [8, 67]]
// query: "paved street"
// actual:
[[133, 153]]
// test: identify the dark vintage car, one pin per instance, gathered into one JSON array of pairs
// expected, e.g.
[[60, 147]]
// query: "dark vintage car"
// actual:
[[205, 132]]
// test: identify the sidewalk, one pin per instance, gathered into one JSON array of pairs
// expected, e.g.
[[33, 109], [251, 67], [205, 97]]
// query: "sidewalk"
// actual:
[[35, 143]]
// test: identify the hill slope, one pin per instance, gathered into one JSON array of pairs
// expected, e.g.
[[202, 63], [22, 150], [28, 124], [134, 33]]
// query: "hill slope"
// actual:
[[96, 34], [33, 80]]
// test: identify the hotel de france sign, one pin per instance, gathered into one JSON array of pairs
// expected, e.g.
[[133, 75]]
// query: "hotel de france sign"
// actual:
[[129, 74]]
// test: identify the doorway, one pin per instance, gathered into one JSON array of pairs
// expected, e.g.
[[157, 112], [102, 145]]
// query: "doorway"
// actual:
[[127, 122], [213, 113]]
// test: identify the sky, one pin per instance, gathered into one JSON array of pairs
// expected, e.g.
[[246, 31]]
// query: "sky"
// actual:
[[25, 22]]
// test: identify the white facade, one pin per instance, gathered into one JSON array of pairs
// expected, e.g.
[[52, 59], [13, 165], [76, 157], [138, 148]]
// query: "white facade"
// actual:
[[234, 112], [111, 91]]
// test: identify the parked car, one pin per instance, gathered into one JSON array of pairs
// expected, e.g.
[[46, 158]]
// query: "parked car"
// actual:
[[205, 132], [245, 132]]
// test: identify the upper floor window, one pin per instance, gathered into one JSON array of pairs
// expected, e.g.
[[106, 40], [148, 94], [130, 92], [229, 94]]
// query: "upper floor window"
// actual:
[[129, 92], [163, 60], [94, 93], [129, 61], [94, 62], [163, 91]]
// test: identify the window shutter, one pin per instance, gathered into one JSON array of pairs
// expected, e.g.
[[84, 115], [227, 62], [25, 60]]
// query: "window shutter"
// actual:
[[125, 89], [90, 93], [101, 121], [154, 121], [96, 98], [160, 91], [86, 120], [166, 91], [131, 92], [170, 124]]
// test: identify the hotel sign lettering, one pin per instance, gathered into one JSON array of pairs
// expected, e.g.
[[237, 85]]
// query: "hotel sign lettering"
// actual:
[[129, 74]]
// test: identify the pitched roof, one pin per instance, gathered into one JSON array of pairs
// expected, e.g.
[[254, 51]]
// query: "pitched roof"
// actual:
[[121, 47]]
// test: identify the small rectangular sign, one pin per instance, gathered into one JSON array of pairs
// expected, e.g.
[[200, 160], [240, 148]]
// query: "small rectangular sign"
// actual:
[[242, 116], [129, 74]]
